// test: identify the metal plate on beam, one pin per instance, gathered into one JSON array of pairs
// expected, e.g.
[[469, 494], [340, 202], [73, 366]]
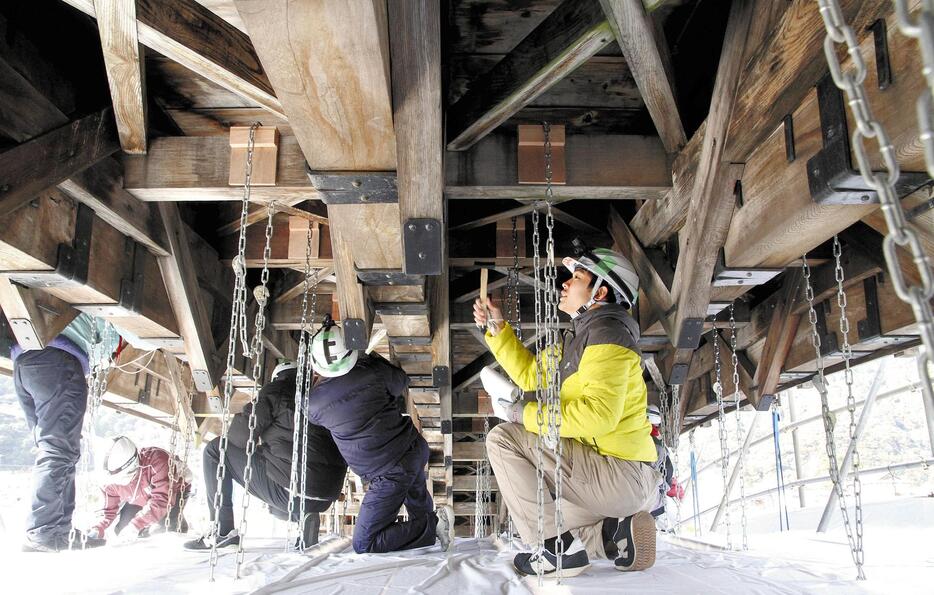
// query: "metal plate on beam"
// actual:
[[410, 341], [440, 376], [729, 277], [421, 247], [401, 308], [690, 333], [354, 333], [382, 277], [202, 381], [679, 373], [25, 334], [354, 187]]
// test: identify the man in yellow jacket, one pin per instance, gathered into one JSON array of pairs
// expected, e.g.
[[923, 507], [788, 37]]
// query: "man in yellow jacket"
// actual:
[[605, 435]]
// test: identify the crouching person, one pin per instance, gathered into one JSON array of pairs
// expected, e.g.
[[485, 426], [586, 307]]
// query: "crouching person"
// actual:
[[141, 491], [356, 398], [271, 464], [605, 435]]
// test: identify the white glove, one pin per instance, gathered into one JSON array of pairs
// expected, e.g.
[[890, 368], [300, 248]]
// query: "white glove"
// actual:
[[507, 410], [129, 535]]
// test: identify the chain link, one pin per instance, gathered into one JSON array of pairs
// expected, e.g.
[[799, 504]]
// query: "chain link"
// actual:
[[724, 447], [820, 383], [482, 494], [900, 231], [740, 432]]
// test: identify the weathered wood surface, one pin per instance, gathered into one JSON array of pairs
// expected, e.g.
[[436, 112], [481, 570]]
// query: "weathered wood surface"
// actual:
[[199, 40], [634, 32], [778, 340], [711, 206], [571, 34], [329, 64], [53, 157], [116, 23]]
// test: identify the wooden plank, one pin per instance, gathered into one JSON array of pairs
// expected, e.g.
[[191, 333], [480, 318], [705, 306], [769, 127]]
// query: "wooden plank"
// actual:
[[329, 64], [193, 36], [469, 451], [780, 336], [634, 32], [116, 23], [711, 207], [54, 156], [185, 296], [784, 70], [43, 316], [568, 37]]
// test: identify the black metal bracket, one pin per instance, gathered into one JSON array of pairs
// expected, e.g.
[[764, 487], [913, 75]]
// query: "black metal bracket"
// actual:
[[447, 426], [789, 125], [71, 267], [401, 309], [690, 333], [382, 277], [831, 177], [765, 402], [352, 188], [354, 333], [440, 376], [130, 300], [679, 373], [410, 341], [828, 340], [448, 461], [881, 42], [422, 246], [720, 312], [724, 276], [869, 330], [6, 337]]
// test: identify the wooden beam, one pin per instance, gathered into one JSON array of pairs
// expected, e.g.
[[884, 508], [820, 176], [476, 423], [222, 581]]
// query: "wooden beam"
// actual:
[[116, 23], [778, 341], [188, 33], [35, 317], [54, 156], [572, 33], [711, 206], [185, 296], [526, 192], [634, 32], [338, 103]]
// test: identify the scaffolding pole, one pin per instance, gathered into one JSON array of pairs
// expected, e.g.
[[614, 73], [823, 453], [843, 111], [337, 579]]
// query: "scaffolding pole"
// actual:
[[792, 417], [735, 474], [847, 463]]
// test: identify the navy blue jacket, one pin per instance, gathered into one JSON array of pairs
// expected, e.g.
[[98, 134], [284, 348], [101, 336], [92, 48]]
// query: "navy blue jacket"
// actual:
[[361, 411]]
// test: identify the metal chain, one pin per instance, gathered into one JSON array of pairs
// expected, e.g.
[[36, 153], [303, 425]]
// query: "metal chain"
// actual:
[[901, 232], [850, 399], [308, 382], [539, 391], [674, 436], [257, 349], [512, 285], [237, 324], [740, 432], [724, 447], [482, 494], [820, 383]]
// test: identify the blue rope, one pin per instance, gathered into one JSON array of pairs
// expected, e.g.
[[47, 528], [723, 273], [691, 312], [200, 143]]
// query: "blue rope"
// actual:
[[779, 475], [697, 526]]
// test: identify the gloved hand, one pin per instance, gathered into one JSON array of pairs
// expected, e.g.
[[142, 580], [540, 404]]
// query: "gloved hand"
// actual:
[[129, 535], [508, 410], [94, 532]]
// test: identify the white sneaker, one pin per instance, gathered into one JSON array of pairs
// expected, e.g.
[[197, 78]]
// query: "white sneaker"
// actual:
[[573, 561], [445, 527]]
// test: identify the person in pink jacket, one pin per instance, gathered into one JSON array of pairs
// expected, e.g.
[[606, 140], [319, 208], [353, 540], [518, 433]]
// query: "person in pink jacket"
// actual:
[[141, 492]]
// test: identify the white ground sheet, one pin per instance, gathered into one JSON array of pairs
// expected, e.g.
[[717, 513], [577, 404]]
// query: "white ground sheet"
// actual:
[[899, 559]]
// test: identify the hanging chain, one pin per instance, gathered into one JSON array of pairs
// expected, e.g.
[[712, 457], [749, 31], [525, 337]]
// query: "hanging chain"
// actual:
[[740, 432], [539, 391], [900, 231], [306, 393], [257, 349], [850, 399], [675, 435], [724, 446], [513, 305], [100, 364], [820, 383], [482, 495], [237, 330]]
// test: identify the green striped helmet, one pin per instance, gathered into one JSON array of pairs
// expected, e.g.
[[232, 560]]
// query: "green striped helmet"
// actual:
[[330, 356]]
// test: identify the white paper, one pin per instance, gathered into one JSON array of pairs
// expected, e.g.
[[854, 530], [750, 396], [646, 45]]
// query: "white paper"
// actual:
[[499, 387]]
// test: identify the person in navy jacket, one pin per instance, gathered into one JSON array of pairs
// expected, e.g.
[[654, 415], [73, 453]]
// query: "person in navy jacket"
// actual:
[[355, 397]]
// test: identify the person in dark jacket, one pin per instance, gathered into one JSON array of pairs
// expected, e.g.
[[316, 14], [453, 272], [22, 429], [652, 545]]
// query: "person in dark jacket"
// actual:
[[356, 398], [52, 390], [272, 463]]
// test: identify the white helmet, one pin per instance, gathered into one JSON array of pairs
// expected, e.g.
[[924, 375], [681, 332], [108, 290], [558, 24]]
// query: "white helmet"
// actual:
[[282, 367], [611, 268], [330, 356], [655, 418], [122, 459]]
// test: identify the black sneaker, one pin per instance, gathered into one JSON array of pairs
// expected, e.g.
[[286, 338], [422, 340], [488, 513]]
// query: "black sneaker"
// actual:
[[61, 543], [635, 538], [573, 562], [203, 543]]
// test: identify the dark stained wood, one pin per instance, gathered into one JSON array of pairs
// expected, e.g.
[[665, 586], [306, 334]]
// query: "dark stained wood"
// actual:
[[53, 157], [196, 38], [635, 34], [569, 36], [781, 334]]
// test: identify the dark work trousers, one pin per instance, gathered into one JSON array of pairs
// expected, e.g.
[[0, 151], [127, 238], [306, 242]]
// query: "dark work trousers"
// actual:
[[377, 529], [53, 393], [261, 486], [177, 522]]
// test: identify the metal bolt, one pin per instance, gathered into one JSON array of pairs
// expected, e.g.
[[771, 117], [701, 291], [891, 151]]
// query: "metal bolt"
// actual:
[[5, 188], [422, 256], [356, 183], [364, 197], [411, 227], [864, 198], [429, 227]]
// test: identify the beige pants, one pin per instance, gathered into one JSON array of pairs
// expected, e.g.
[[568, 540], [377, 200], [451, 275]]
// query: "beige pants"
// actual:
[[593, 486]]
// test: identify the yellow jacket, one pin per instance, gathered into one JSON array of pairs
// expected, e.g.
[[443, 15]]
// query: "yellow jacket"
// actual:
[[603, 395]]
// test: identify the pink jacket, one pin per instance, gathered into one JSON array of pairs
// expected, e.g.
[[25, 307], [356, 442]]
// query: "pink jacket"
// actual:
[[149, 489]]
